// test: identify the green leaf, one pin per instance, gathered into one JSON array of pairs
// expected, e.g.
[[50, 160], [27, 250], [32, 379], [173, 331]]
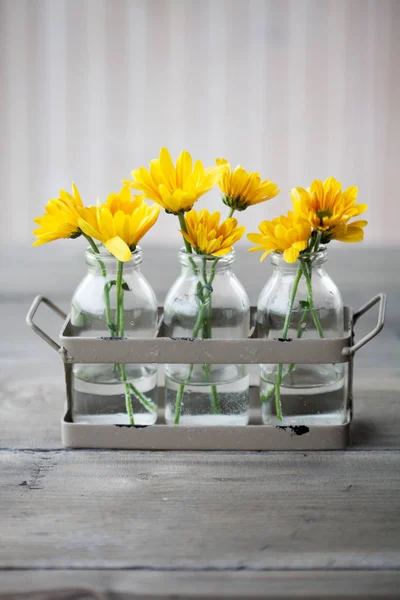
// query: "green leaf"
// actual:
[[109, 284], [126, 287], [199, 290], [304, 304]]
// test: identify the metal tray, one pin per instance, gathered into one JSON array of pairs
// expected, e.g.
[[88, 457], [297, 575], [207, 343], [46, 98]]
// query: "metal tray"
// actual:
[[255, 436]]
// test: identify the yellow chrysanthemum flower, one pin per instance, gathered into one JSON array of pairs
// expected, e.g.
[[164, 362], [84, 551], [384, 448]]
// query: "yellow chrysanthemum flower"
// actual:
[[288, 234], [176, 189], [60, 219], [325, 205], [243, 188], [350, 232], [207, 236], [119, 223]]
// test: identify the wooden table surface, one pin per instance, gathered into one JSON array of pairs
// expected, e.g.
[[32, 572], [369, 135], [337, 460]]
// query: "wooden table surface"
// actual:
[[120, 524]]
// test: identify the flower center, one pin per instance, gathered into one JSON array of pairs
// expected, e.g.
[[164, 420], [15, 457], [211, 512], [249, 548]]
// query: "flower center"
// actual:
[[321, 214]]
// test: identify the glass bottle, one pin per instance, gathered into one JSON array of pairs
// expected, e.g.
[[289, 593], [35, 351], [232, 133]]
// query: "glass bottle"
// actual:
[[309, 393], [114, 393], [207, 301]]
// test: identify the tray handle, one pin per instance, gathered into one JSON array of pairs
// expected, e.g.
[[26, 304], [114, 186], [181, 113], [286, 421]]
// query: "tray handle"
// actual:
[[379, 299], [31, 313]]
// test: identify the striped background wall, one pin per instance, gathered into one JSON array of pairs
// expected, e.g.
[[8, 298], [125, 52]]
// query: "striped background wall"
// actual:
[[297, 89]]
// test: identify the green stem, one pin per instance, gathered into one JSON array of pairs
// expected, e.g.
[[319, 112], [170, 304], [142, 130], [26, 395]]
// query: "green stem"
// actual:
[[92, 244], [318, 238], [128, 399], [146, 402], [213, 269], [188, 247], [119, 322], [181, 387], [199, 321], [231, 213], [178, 403], [299, 335], [284, 335], [182, 223], [215, 400], [120, 300], [110, 324], [207, 330], [179, 396], [314, 314], [214, 393], [307, 271], [309, 286], [202, 322]]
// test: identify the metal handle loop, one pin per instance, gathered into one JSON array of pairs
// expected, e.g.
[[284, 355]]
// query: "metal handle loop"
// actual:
[[31, 313], [381, 299]]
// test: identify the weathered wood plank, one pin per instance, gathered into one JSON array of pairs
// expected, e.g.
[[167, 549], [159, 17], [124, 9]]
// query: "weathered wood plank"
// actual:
[[235, 511], [154, 585], [32, 397]]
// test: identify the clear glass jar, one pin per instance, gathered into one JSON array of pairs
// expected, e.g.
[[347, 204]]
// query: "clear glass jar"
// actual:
[[114, 393], [309, 393], [207, 300]]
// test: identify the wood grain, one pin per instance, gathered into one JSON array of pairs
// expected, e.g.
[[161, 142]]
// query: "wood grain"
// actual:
[[198, 585], [190, 510]]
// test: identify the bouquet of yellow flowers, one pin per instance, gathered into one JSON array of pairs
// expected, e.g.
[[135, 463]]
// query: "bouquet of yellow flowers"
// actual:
[[321, 213], [118, 224], [176, 188], [206, 300]]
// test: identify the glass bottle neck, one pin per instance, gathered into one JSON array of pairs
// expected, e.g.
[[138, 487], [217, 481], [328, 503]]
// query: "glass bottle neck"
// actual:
[[204, 265], [106, 264], [315, 260]]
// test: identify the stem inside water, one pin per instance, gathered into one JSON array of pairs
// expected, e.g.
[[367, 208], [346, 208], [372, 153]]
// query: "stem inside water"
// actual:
[[284, 336], [203, 322], [120, 327], [299, 335], [207, 331], [118, 330], [305, 269]]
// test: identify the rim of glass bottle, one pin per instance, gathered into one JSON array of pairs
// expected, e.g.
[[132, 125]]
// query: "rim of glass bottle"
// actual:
[[106, 258], [223, 261], [317, 258]]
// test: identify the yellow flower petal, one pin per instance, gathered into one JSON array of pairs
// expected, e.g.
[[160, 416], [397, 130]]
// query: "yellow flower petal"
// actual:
[[244, 188], [300, 245], [222, 252], [324, 205], [286, 234], [60, 219], [168, 169], [89, 230], [118, 248], [183, 168], [120, 220], [266, 253], [291, 254], [176, 189], [207, 236]]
